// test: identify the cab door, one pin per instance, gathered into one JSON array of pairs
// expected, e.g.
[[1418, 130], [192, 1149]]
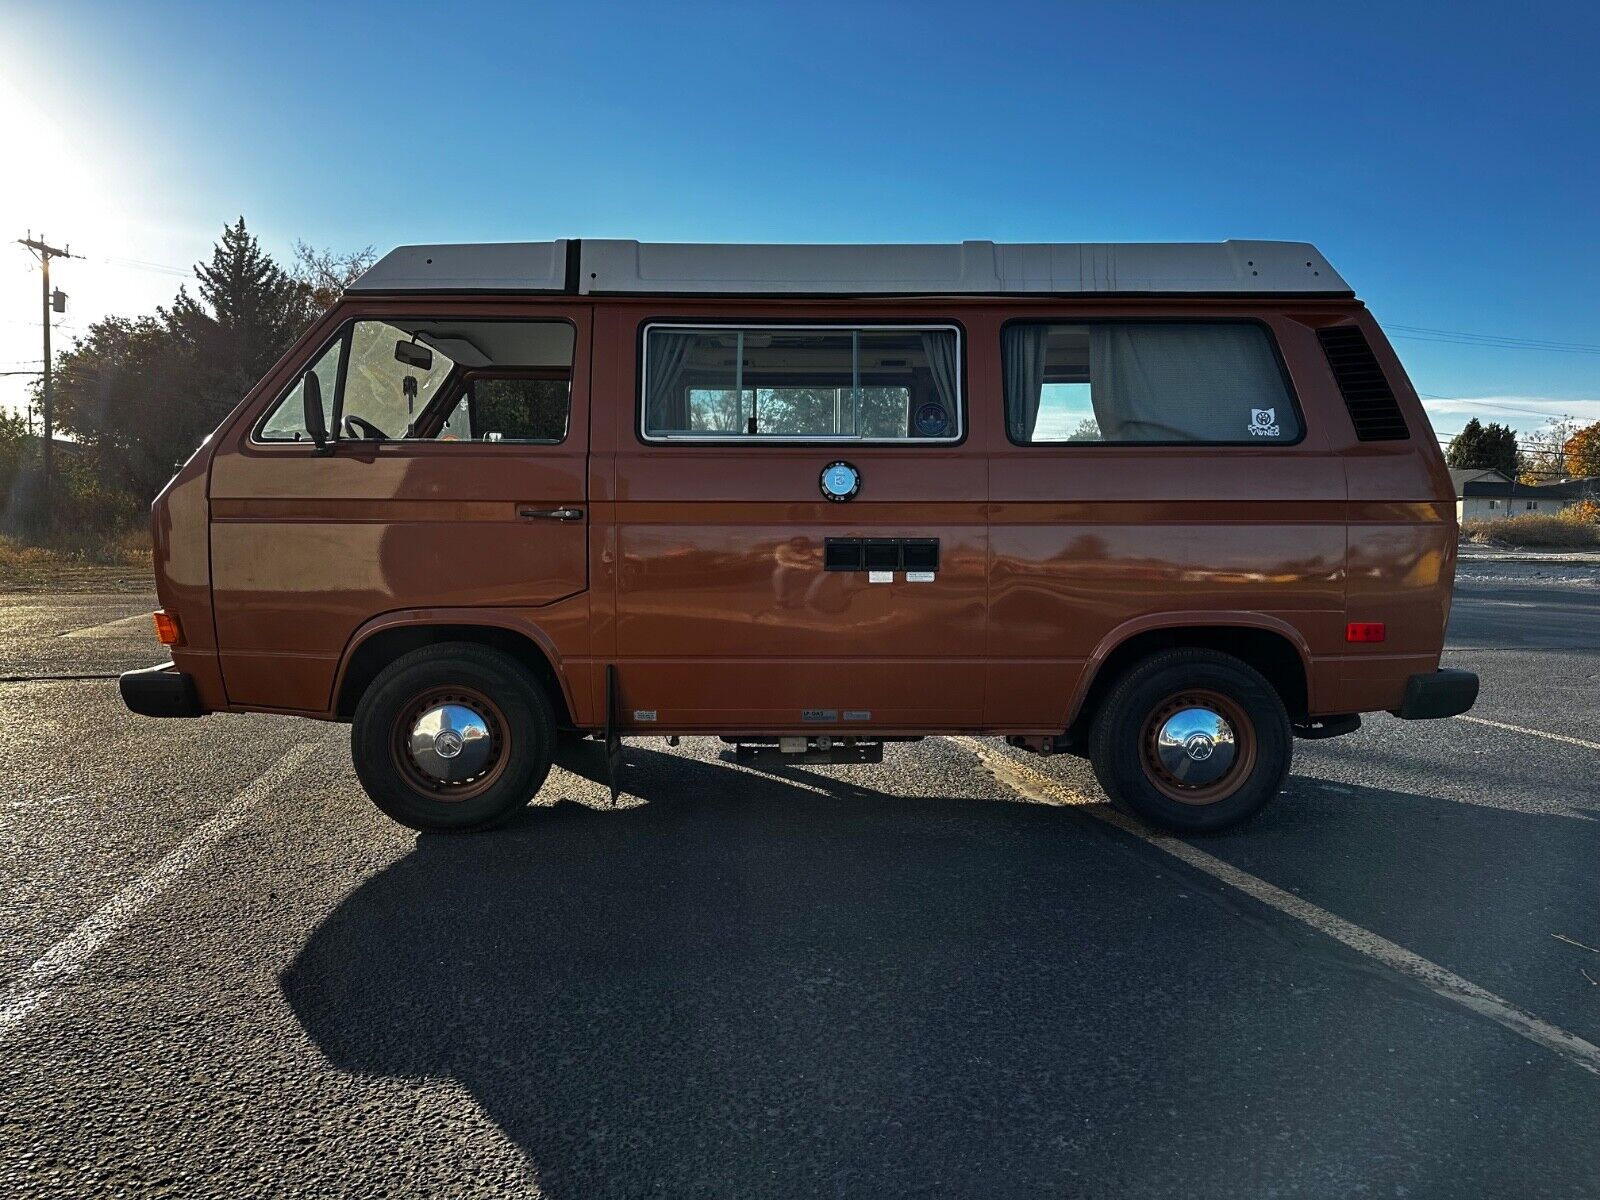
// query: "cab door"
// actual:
[[800, 528], [455, 478]]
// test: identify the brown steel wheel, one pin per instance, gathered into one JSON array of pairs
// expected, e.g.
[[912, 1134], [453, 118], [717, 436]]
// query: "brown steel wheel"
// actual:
[[1194, 740], [1198, 746], [453, 736], [451, 743]]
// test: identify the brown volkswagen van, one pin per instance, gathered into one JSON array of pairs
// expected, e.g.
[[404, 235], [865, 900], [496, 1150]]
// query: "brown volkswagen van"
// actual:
[[1165, 506]]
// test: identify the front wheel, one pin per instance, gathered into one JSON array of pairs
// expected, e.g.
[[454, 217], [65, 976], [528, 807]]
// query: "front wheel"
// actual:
[[1193, 740], [452, 737]]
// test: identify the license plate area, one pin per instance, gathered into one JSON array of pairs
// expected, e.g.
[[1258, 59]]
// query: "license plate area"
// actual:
[[817, 751]]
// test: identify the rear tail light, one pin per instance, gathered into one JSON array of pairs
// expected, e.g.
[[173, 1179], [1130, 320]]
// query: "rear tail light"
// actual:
[[1364, 631], [168, 631]]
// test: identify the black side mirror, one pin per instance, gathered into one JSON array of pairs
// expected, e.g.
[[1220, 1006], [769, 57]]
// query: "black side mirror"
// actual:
[[316, 424]]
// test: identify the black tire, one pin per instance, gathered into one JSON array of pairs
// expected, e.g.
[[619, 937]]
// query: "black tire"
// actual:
[[517, 715], [1124, 749]]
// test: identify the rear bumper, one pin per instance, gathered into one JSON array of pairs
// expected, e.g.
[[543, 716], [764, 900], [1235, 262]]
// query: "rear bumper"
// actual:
[[162, 691], [1444, 693]]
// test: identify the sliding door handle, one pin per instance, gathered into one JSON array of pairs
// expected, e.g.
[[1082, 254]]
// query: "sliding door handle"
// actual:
[[551, 514]]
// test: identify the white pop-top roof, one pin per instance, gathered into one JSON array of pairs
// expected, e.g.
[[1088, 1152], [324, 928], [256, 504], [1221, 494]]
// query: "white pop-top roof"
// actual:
[[615, 267]]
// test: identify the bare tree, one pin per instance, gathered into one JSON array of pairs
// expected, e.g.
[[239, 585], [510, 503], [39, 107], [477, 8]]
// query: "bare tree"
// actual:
[[326, 273], [1542, 456]]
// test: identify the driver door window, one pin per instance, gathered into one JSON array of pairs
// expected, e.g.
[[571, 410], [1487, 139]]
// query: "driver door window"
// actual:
[[440, 381]]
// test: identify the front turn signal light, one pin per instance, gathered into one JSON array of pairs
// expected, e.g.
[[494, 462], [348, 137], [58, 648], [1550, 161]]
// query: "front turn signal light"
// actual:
[[1364, 631], [168, 632]]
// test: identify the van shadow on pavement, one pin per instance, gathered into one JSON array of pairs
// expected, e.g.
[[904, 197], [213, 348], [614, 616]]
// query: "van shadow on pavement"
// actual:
[[748, 987]]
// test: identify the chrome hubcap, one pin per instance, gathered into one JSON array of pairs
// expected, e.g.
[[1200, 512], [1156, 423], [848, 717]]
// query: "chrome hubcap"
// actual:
[[450, 743], [1196, 746]]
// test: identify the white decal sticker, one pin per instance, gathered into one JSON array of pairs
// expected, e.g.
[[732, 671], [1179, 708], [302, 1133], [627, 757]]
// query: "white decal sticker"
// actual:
[[919, 576], [880, 576], [1263, 422]]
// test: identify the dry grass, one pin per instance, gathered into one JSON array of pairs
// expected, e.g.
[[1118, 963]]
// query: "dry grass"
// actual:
[[1533, 531], [118, 562]]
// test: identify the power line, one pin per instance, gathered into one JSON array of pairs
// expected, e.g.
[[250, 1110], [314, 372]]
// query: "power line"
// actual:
[[141, 264], [1491, 345], [1490, 404], [1499, 339]]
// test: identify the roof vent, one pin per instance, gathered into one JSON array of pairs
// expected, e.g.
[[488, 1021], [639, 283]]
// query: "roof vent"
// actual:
[[1366, 392]]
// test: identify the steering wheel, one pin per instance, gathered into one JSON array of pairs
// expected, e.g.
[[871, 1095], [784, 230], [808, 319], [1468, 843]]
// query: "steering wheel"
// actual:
[[364, 430]]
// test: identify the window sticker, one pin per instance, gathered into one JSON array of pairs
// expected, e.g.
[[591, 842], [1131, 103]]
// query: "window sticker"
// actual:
[[1264, 422], [932, 420]]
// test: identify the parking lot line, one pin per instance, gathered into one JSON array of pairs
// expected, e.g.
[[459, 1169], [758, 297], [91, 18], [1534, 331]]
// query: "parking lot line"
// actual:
[[1036, 786], [69, 956], [1554, 737]]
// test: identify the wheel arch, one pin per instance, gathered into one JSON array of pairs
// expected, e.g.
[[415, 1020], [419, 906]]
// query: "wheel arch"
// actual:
[[383, 639], [1270, 645]]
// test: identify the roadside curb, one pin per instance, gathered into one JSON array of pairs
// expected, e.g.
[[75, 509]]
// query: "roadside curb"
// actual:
[[1557, 557]]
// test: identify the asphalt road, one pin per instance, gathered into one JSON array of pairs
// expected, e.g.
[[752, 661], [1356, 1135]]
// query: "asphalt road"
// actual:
[[223, 973]]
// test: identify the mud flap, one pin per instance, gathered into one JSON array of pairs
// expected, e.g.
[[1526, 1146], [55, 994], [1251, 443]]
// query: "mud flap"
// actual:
[[613, 738]]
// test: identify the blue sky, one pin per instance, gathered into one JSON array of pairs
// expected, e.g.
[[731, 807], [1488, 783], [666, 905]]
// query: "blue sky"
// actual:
[[1445, 158]]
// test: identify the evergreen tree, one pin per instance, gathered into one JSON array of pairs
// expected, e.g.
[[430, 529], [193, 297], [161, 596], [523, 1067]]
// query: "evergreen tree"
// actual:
[[1484, 447], [248, 311]]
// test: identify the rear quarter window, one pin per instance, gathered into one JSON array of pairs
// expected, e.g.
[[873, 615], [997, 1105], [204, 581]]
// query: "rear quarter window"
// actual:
[[1145, 383]]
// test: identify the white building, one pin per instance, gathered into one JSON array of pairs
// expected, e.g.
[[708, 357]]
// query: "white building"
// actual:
[[1487, 495]]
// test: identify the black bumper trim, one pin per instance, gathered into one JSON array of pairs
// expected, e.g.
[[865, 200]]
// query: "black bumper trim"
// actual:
[[1443, 693], [160, 691]]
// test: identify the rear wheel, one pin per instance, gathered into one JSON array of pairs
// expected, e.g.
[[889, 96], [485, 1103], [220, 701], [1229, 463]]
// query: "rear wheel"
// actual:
[[1193, 740], [452, 737]]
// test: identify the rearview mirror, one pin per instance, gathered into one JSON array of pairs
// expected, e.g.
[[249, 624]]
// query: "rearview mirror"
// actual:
[[311, 397], [413, 355]]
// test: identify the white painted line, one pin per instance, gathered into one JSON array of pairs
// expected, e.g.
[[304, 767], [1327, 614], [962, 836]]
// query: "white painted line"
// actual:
[[1036, 786], [138, 624], [1554, 737], [69, 956]]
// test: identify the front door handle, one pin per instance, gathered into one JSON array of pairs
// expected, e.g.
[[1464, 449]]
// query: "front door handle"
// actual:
[[551, 514]]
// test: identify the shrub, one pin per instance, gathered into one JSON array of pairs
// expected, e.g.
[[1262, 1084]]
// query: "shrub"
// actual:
[[1532, 531], [1584, 512]]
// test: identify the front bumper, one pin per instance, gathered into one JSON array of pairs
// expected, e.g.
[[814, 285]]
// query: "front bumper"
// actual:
[[1443, 693], [161, 691]]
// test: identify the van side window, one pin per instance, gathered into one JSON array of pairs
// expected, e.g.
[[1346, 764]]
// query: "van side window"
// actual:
[[1145, 382], [509, 408], [801, 383], [441, 380], [287, 422]]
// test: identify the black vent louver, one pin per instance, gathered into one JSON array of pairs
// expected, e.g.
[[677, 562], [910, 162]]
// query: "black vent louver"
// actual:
[[1366, 393]]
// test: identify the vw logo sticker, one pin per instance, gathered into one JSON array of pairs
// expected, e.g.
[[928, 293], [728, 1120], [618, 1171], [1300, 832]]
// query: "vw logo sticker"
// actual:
[[840, 481]]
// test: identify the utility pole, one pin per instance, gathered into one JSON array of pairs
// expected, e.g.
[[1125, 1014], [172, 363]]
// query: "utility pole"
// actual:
[[44, 252]]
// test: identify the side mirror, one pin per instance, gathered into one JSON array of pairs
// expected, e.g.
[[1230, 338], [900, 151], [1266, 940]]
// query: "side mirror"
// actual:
[[316, 424], [414, 355]]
